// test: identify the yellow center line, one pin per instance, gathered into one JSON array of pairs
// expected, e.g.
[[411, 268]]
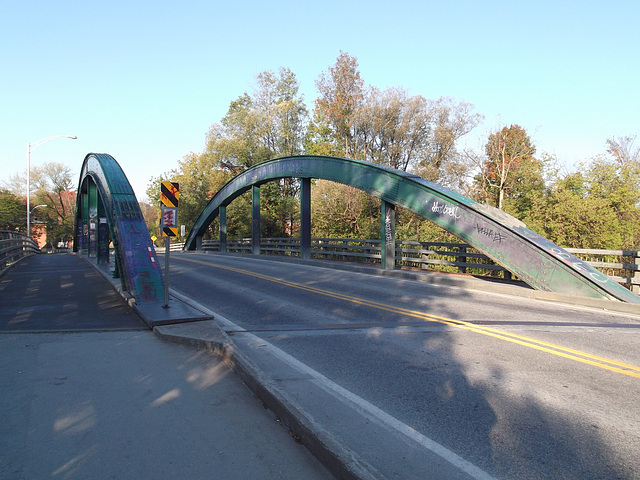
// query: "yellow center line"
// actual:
[[569, 353]]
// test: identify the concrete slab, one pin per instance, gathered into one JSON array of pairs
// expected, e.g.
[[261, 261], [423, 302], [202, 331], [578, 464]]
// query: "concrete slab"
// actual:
[[126, 405]]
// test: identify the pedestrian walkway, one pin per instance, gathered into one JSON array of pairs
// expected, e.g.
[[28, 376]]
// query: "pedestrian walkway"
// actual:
[[61, 292], [96, 395]]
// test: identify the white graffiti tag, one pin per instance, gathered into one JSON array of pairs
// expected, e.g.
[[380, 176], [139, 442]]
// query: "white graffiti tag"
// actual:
[[444, 209]]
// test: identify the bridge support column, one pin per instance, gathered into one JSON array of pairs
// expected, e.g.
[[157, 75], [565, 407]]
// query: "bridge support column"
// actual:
[[199, 243], [222, 215], [103, 233], [83, 223], [255, 220], [305, 218], [388, 236], [93, 220]]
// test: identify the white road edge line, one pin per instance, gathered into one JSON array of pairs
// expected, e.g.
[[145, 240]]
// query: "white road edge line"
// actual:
[[331, 387]]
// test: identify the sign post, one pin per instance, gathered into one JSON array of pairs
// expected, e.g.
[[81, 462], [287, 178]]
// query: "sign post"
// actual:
[[169, 195]]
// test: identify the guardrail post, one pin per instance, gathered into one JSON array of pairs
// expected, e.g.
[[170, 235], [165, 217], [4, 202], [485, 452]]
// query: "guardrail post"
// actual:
[[388, 235], [255, 220], [636, 275], [222, 216], [462, 259]]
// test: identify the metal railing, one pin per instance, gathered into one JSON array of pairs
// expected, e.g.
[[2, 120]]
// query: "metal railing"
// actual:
[[14, 246], [622, 266]]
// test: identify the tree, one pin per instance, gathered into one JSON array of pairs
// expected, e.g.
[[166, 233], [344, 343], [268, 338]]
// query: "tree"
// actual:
[[509, 154], [342, 211], [622, 150], [341, 91], [151, 215], [13, 211], [618, 185], [280, 111], [392, 129], [451, 121], [411, 133], [268, 124], [320, 138], [569, 216], [54, 187]]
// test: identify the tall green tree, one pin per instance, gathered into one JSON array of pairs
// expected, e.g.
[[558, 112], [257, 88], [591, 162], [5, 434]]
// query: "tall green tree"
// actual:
[[392, 128], [13, 211], [280, 111], [268, 123], [569, 216], [341, 92], [618, 185], [342, 211], [412, 133]]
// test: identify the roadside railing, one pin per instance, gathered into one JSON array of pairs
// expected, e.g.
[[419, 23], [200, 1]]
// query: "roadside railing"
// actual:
[[14, 246], [622, 266]]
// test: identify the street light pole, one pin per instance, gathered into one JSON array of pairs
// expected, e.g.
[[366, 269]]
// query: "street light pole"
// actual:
[[30, 147]]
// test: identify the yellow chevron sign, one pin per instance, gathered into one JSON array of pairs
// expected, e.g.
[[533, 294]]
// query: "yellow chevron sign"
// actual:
[[169, 231], [169, 194]]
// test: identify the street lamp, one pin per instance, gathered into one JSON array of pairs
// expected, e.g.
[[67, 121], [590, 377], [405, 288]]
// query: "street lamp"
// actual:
[[38, 206], [30, 147]]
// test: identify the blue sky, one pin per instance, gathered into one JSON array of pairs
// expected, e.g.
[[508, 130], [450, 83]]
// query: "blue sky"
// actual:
[[144, 80]]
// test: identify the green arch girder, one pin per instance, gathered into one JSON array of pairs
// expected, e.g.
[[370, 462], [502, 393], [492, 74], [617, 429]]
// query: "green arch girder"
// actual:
[[539, 262], [136, 258]]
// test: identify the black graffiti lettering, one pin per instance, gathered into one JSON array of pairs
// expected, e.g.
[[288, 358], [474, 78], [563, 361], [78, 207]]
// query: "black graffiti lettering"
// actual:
[[491, 233]]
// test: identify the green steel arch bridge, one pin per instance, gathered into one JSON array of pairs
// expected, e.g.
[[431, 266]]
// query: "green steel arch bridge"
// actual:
[[107, 210]]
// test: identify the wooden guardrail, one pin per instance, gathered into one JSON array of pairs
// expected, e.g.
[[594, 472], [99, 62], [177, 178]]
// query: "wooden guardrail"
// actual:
[[14, 246], [622, 266]]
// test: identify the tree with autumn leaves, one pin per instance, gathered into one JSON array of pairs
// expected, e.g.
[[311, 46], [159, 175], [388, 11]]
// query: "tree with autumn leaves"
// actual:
[[507, 167], [52, 190]]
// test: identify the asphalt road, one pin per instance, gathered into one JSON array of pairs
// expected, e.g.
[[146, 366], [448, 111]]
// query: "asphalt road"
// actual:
[[517, 387]]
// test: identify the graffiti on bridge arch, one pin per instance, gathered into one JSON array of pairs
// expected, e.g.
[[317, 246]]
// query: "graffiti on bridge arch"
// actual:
[[107, 211], [533, 258]]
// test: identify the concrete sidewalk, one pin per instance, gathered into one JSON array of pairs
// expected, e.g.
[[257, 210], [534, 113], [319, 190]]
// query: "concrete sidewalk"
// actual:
[[108, 399]]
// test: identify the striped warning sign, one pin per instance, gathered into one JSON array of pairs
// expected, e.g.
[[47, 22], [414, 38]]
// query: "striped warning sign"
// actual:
[[169, 194], [169, 221]]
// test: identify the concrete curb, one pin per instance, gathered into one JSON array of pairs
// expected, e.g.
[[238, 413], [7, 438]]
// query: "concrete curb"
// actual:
[[333, 454]]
